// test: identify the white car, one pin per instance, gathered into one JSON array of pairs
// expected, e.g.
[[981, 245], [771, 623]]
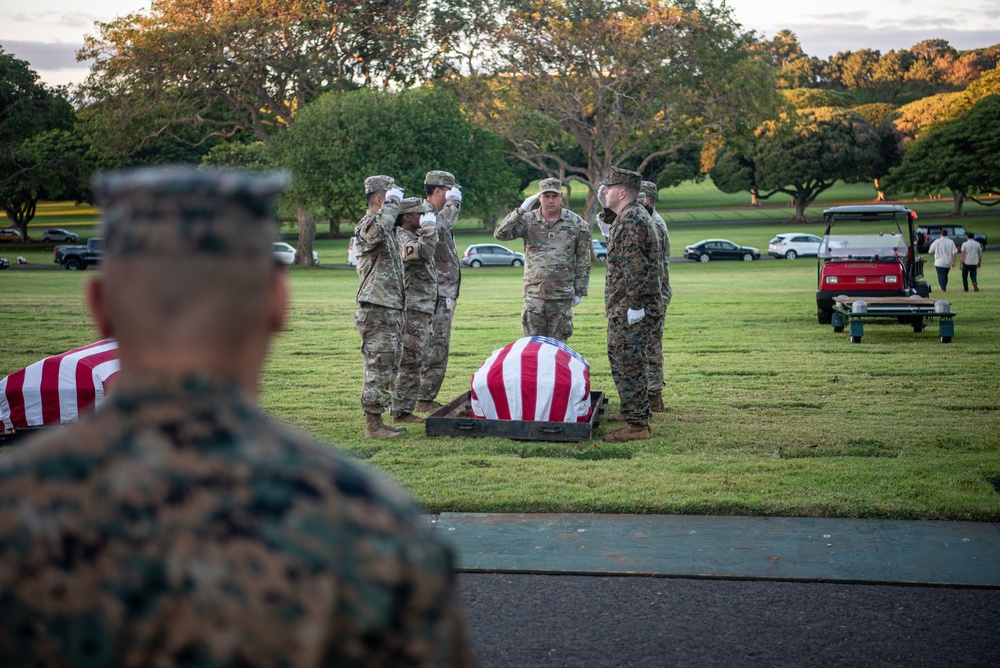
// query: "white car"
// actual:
[[285, 254], [790, 245]]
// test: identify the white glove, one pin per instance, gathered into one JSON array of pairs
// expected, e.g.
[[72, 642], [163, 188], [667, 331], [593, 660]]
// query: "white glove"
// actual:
[[602, 196], [635, 316], [529, 202], [395, 193], [428, 219], [577, 299], [454, 193], [605, 228]]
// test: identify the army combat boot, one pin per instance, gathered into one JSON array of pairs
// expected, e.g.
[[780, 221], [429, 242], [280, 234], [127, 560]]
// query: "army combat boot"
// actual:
[[632, 432], [407, 418], [426, 406], [656, 402], [375, 428]]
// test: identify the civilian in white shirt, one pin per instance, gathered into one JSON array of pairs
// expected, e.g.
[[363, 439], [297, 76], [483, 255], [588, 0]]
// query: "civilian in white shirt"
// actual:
[[944, 252], [972, 260]]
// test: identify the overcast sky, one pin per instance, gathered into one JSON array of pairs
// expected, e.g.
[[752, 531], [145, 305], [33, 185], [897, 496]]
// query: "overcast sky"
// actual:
[[48, 33]]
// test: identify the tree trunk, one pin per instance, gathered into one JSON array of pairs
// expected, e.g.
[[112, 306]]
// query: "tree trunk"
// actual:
[[800, 210], [880, 194], [959, 198], [754, 201], [307, 233], [20, 215], [490, 222]]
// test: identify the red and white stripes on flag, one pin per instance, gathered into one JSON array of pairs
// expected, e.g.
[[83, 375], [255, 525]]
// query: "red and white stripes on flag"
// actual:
[[535, 378], [58, 388]]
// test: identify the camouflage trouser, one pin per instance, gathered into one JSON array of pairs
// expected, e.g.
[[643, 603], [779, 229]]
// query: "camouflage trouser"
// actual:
[[436, 355], [416, 332], [380, 329], [547, 317], [654, 356], [627, 346]]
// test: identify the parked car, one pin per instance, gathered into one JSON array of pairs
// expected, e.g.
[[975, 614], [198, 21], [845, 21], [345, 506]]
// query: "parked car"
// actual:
[[74, 258], [600, 249], [4, 264], [285, 254], [720, 249], [790, 245], [486, 255], [352, 253], [928, 233], [60, 234], [10, 234], [868, 265]]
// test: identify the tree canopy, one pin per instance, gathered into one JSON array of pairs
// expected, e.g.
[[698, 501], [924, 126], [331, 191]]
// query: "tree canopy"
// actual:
[[963, 156]]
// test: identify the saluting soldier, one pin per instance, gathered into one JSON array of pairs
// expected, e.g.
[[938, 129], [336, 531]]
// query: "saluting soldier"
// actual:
[[379, 317], [632, 297], [445, 195], [179, 525], [557, 260], [417, 234], [655, 353]]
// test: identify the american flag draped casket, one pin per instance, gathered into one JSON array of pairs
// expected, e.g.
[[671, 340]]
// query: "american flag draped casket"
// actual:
[[58, 388], [533, 378]]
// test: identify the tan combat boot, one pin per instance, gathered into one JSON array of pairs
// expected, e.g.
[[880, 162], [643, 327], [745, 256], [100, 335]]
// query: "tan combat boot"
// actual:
[[975, 286], [407, 418], [426, 406], [617, 417], [375, 428], [656, 403], [632, 432]]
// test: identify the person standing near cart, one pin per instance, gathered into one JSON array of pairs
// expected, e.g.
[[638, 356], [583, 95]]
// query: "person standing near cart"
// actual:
[[441, 191], [944, 251], [655, 352], [972, 260], [557, 260], [417, 234]]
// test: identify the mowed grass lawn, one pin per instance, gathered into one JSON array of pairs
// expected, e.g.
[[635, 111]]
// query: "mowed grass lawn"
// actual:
[[768, 413]]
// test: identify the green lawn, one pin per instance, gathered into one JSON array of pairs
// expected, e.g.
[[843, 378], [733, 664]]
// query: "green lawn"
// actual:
[[768, 413]]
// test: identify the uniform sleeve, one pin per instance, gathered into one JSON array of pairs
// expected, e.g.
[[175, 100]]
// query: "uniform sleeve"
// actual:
[[419, 246], [636, 242], [448, 215], [583, 239], [374, 229], [511, 227]]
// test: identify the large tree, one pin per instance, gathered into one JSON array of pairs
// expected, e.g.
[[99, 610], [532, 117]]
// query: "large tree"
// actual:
[[343, 137], [963, 156], [801, 156], [627, 81], [40, 156]]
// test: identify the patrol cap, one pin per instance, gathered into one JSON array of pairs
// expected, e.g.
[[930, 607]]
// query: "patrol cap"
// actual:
[[550, 186], [650, 189], [439, 178], [623, 177], [182, 210], [374, 184], [415, 205]]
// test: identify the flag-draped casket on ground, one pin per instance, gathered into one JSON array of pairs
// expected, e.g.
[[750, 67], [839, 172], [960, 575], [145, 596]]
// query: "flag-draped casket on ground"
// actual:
[[58, 388], [534, 378]]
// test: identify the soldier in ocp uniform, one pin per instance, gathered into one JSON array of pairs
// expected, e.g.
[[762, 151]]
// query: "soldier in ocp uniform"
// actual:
[[654, 371], [417, 234], [445, 195], [632, 296], [557, 260], [379, 317], [179, 525]]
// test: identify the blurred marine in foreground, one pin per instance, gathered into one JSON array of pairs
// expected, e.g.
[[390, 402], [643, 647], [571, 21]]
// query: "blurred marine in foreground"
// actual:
[[181, 526]]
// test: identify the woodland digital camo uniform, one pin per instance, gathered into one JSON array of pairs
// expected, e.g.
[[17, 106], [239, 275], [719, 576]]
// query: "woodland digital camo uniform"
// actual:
[[420, 281], [632, 282], [449, 279], [379, 317], [557, 265], [179, 525], [654, 371]]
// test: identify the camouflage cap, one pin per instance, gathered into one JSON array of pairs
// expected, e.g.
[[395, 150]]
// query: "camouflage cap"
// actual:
[[182, 210], [623, 177], [439, 178], [415, 205], [550, 186], [374, 184], [650, 189]]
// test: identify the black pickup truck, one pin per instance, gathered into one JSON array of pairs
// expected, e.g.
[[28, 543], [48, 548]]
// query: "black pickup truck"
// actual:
[[74, 258], [928, 233]]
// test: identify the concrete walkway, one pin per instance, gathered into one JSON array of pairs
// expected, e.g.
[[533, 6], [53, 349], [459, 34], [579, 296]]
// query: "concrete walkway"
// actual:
[[694, 546]]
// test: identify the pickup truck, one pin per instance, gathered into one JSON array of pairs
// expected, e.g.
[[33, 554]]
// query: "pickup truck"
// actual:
[[928, 233], [74, 258]]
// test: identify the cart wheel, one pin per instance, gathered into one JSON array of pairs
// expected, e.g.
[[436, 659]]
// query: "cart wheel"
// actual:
[[857, 339], [838, 329], [945, 339]]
